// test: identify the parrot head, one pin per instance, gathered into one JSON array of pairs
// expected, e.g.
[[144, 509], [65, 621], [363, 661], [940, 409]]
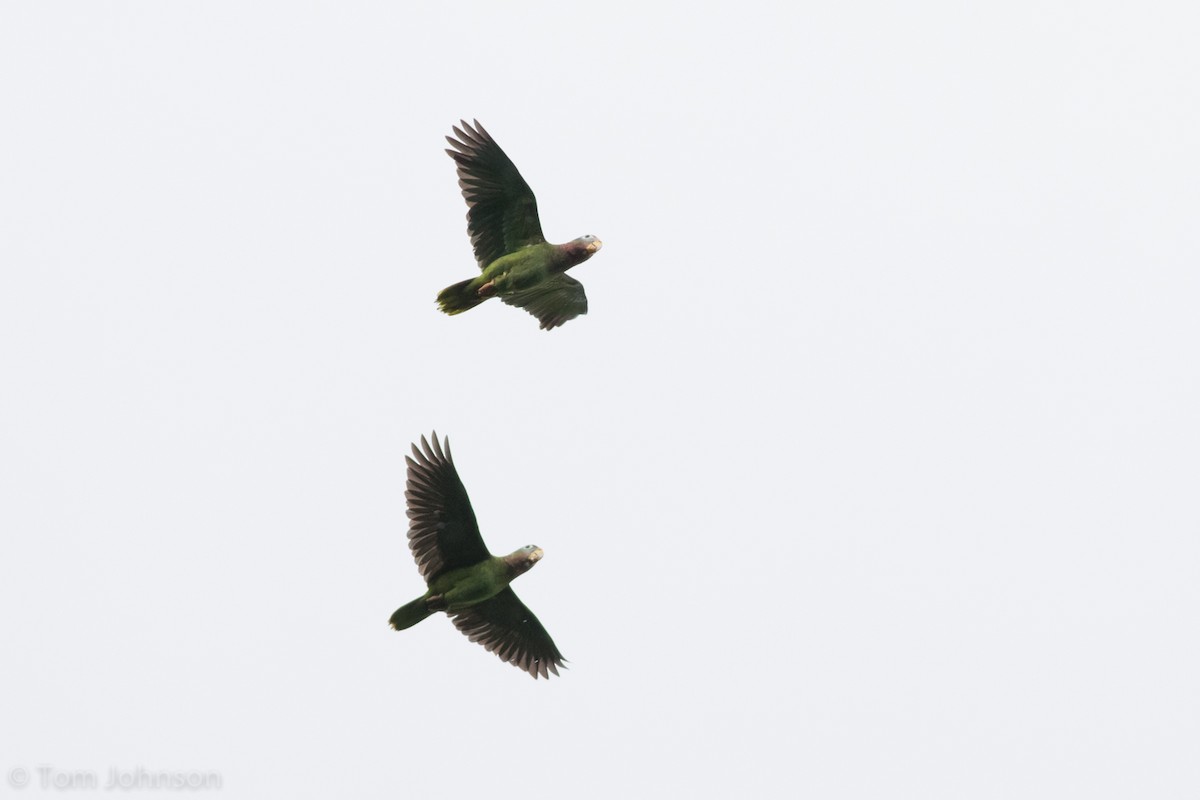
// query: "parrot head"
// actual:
[[521, 561]]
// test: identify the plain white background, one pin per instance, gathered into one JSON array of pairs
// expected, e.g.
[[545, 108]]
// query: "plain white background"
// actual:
[[871, 473]]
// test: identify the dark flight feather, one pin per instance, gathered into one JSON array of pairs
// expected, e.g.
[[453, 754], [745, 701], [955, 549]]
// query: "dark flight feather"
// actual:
[[502, 214], [556, 300], [506, 627], [442, 532]]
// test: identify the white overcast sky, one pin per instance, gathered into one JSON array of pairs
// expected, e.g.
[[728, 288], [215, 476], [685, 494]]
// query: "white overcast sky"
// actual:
[[872, 472]]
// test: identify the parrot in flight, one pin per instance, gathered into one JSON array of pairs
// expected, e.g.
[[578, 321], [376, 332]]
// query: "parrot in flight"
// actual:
[[464, 579], [519, 265]]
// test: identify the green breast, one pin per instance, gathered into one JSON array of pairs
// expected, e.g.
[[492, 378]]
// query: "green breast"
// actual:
[[520, 270], [470, 585]]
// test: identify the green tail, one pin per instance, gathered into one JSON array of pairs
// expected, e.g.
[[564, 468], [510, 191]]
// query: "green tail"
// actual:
[[459, 297], [410, 614]]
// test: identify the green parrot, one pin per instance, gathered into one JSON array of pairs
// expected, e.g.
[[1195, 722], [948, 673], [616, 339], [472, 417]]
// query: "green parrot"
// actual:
[[519, 265], [465, 580]]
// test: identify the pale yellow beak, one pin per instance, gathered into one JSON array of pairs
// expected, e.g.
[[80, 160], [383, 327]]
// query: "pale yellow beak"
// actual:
[[594, 246]]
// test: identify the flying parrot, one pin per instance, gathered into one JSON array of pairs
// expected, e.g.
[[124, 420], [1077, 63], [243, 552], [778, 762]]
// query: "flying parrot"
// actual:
[[519, 265], [465, 580]]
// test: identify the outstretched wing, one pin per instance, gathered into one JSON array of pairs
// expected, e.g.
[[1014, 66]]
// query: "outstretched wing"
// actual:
[[442, 532], [553, 301], [502, 214], [510, 630]]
